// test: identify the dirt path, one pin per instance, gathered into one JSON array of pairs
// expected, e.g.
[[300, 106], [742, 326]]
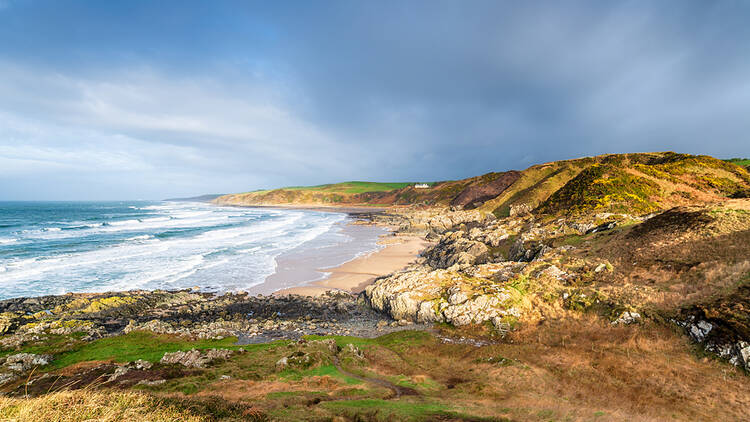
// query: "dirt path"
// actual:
[[397, 390]]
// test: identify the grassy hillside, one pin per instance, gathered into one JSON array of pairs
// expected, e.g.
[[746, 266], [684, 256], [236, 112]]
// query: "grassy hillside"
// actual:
[[352, 187], [633, 183], [373, 194]]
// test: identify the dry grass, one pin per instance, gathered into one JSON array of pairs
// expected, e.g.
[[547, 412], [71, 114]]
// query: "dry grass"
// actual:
[[576, 369], [110, 405], [93, 406]]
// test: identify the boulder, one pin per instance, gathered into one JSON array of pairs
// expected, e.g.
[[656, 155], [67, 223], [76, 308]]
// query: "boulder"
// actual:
[[22, 362], [194, 358]]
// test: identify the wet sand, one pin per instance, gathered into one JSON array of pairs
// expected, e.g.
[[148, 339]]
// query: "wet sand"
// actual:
[[355, 275]]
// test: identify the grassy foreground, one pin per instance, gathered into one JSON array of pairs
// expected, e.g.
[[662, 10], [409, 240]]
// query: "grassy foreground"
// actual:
[[583, 369]]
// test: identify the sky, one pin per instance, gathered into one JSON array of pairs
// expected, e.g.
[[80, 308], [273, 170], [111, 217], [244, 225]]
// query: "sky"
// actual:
[[149, 99]]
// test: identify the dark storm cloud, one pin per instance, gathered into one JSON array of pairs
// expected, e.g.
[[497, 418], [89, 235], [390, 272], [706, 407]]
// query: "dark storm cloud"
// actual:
[[139, 100]]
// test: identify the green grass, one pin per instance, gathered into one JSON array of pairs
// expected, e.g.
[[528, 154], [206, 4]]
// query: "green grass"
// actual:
[[139, 345], [405, 337], [320, 371], [352, 187], [739, 161]]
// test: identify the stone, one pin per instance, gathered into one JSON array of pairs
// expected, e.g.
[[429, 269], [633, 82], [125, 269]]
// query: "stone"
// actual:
[[7, 377], [142, 364], [627, 317], [744, 352], [194, 358], [520, 210], [151, 382], [354, 351], [456, 296], [554, 272], [282, 364], [699, 330], [22, 362], [119, 371]]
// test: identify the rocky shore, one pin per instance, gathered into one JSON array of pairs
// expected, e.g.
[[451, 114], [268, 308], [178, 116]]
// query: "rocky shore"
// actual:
[[526, 269], [192, 314]]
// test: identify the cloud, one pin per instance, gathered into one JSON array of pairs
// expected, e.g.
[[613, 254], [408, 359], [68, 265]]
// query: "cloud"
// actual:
[[98, 100]]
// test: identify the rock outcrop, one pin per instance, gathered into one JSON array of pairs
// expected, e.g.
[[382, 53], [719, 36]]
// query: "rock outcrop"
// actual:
[[421, 294], [195, 358]]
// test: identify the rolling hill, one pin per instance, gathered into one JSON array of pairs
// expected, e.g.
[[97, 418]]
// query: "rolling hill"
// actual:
[[638, 183]]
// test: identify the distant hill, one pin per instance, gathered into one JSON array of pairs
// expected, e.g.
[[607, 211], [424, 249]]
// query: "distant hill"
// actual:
[[463, 193], [201, 198], [744, 162], [636, 183]]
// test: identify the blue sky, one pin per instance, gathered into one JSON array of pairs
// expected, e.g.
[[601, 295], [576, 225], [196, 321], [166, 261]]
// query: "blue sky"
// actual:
[[145, 99]]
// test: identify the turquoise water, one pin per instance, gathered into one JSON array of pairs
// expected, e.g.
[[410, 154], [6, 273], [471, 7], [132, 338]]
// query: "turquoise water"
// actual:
[[59, 247]]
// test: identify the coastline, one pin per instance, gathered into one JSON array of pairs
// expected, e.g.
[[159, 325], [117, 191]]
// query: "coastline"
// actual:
[[343, 209], [353, 276]]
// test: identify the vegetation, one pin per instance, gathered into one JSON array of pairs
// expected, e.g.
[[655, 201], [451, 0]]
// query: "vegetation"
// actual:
[[739, 161], [564, 353], [352, 187], [132, 346], [112, 406], [603, 188]]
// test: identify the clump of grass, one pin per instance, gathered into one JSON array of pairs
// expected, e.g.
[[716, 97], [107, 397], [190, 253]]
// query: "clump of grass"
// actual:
[[104, 406]]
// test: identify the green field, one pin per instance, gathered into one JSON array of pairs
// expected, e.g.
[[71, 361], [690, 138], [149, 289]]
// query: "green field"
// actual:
[[739, 161], [352, 187]]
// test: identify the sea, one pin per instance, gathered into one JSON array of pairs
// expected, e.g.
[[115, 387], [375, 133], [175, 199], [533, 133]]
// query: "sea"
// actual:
[[60, 247]]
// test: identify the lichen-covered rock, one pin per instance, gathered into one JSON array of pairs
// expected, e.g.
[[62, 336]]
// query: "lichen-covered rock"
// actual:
[[401, 294], [354, 351], [627, 317], [456, 250], [422, 295], [22, 362], [195, 358], [9, 321], [526, 251]]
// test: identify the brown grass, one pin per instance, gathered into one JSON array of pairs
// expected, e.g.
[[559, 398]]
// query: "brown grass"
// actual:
[[69, 406]]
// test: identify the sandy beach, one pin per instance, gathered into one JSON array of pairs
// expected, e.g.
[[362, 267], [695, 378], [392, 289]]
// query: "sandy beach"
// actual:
[[355, 275]]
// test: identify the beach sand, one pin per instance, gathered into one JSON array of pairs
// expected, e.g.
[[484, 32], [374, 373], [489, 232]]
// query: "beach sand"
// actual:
[[355, 275]]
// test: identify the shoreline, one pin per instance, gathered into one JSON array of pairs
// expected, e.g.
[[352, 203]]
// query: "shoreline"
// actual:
[[396, 252], [343, 209], [354, 275]]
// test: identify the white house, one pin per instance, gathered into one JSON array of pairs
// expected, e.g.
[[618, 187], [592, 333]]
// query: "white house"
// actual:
[[421, 186]]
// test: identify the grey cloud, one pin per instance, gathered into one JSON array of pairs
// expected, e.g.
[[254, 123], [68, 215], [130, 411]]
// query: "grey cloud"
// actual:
[[300, 93]]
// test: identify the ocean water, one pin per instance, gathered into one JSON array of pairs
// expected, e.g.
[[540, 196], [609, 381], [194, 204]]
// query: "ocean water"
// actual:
[[59, 247]]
